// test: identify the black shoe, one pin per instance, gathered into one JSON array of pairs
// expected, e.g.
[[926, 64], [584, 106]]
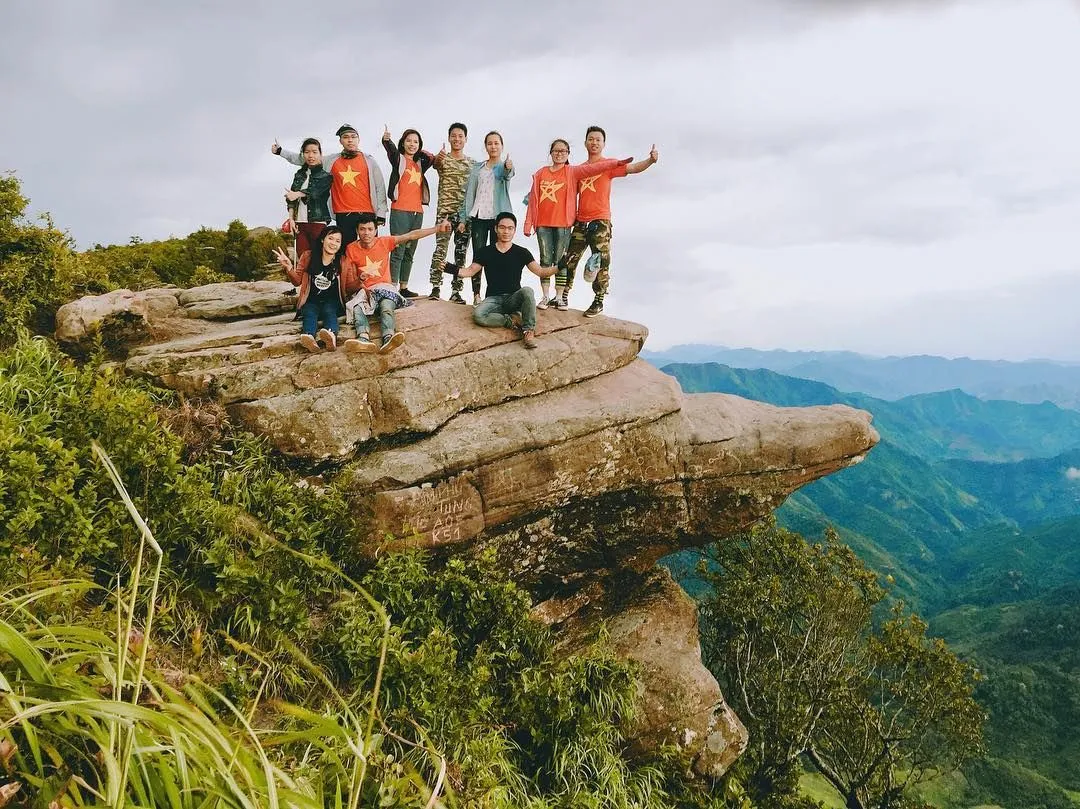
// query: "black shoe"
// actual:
[[455, 297], [596, 308], [435, 294], [407, 293]]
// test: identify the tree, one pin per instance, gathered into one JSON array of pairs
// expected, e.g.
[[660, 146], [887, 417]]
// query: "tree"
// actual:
[[787, 628], [38, 269]]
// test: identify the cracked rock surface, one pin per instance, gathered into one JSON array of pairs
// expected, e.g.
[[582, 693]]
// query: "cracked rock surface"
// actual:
[[578, 463]]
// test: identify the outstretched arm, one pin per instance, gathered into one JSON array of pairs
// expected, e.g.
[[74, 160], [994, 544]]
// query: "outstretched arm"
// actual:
[[641, 165], [470, 271], [541, 272], [413, 235]]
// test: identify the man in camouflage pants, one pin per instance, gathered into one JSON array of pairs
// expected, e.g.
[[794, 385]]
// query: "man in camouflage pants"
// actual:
[[592, 228], [453, 169]]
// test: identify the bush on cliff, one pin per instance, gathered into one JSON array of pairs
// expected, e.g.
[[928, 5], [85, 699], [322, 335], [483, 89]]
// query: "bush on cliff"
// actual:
[[257, 597]]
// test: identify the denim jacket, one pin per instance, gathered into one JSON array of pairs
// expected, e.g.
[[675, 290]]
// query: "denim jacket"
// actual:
[[502, 190]]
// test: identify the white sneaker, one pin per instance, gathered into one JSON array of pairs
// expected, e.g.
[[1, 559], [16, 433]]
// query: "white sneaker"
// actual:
[[543, 302], [564, 302]]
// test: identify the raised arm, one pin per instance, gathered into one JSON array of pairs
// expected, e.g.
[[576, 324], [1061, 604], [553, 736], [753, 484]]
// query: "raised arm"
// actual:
[[641, 165], [540, 272], [414, 235], [583, 170], [389, 145]]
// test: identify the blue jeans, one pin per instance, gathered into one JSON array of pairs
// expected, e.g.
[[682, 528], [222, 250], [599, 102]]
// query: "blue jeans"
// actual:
[[313, 311], [401, 259], [495, 310], [385, 312], [553, 243]]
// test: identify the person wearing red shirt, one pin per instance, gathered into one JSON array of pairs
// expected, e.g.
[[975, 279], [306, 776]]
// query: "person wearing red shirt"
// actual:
[[592, 226], [551, 207], [358, 185], [377, 294], [409, 193]]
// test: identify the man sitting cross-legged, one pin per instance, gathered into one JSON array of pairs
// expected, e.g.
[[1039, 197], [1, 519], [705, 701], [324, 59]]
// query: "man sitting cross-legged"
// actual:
[[378, 294], [502, 264]]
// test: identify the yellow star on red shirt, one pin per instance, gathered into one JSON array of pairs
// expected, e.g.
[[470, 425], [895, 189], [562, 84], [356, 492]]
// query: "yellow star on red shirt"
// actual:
[[371, 266], [348, 177], [413, 175], [548, 189], [588, 184]]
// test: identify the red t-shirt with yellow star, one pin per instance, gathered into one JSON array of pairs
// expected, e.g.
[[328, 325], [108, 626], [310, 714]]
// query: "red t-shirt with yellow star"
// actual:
[[350, 192], [376, 257], [409, 191], [551, 207], [594, 195]]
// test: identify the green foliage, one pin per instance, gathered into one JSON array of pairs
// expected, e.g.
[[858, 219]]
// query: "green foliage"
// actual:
[[1010, 784], [787, 628], [40, 269], [255, 592], [467, 663]]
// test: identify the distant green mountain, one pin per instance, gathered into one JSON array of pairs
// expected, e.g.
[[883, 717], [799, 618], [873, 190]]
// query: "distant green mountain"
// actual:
[[934, 426], [1033, 381], [972, 509]]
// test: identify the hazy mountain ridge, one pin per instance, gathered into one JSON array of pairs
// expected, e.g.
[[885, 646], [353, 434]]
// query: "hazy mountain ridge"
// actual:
[[1030, 381]]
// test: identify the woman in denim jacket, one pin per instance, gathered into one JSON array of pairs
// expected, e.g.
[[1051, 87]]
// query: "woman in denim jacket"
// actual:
[[486, 196]]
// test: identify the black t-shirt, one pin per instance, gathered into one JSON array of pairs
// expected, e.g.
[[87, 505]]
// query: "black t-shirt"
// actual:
[[324, 280], [503, 270]]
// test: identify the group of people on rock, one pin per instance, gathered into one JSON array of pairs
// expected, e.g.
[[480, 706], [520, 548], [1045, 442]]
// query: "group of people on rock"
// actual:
[[347, 268]]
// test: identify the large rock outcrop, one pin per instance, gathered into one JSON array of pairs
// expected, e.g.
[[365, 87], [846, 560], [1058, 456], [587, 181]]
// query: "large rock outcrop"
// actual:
[[578, 463]]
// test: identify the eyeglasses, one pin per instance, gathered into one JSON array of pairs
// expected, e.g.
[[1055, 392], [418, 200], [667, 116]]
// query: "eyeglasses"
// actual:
[[560, 151]]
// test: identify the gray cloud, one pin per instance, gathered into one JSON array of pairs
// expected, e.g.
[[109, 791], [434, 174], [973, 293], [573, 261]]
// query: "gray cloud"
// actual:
[[801, 138]]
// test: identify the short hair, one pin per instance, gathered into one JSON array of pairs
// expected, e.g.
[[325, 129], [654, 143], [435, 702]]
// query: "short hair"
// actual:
[[595, 128], [565, 143], [366, 218], [310, 142], [458, 125], [405, 134], [506, 215], [493, 132]]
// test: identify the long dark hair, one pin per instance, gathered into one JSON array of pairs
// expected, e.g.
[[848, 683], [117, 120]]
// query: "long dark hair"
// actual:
[[328, 230], [405, 134]]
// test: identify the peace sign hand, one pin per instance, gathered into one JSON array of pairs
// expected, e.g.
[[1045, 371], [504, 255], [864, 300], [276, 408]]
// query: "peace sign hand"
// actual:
[[283, 258], [275, 147]]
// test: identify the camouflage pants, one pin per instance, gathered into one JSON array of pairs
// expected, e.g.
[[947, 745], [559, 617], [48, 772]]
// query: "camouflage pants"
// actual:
[[596, 235], [442, 246]]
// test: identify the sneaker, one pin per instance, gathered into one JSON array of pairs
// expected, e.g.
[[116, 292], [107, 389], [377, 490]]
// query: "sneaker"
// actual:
[[391, 341], [435, 294], [455, 297], [308, 342], [528, 337], [328, 339], [564, 301], [515, 320], [405, 292], [476, 299], [554, 301], [361, 345], [543, 302], [595, 308]]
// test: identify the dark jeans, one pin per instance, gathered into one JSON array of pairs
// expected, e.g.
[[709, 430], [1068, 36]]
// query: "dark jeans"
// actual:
[[402, 257], [482, 232], [347, 222], [495, 310], [326, 310]]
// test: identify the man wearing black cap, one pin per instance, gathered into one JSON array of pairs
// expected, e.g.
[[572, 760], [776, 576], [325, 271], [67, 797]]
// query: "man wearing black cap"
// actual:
[[358, 186]]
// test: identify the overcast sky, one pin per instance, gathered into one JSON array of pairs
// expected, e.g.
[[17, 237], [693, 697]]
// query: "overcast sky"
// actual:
[[886, 177]]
